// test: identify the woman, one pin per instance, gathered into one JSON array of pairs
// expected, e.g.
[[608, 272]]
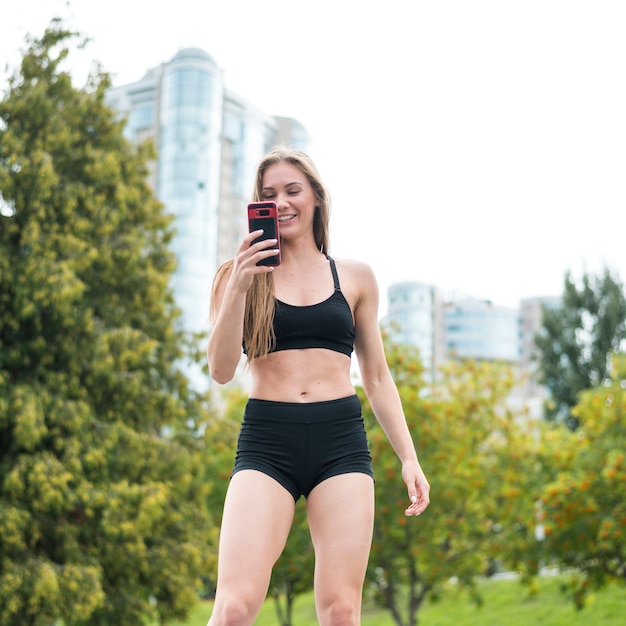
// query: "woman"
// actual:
[[302, 432]]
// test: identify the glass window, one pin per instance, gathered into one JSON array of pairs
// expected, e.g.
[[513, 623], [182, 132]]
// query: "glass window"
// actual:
[[141, 117]]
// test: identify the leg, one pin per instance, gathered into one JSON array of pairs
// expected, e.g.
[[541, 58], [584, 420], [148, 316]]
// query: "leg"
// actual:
[[258, 513], [341, 518]]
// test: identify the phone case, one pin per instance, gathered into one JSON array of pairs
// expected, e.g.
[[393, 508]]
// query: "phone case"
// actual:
[[264, 215]]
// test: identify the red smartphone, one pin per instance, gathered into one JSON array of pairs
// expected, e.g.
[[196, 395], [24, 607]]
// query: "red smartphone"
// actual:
[[264, 215]]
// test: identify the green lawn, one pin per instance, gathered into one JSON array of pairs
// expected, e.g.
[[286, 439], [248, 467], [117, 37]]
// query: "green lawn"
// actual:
[[507, 603]]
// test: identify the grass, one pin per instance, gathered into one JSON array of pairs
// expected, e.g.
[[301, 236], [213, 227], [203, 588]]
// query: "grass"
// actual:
[[506, 602]]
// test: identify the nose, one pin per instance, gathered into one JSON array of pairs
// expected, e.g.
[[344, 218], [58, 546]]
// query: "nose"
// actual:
[[282, 202]]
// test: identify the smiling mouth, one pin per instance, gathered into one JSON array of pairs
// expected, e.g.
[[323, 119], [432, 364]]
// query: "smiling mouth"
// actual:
[[285, 218]]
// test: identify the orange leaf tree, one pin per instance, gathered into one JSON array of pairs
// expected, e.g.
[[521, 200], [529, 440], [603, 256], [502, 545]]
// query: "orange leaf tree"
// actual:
[[584, 506], [472, 451]]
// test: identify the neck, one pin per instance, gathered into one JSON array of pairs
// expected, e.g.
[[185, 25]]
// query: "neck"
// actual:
[[299, 251]]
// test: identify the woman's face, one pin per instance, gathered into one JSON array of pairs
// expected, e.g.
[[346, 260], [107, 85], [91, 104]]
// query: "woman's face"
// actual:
[[290, 189]]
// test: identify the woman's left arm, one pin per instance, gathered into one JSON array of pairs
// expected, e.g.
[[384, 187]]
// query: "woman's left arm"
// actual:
[[380, 388]]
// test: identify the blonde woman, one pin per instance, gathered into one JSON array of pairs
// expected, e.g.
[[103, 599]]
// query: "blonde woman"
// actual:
[[302, 432]]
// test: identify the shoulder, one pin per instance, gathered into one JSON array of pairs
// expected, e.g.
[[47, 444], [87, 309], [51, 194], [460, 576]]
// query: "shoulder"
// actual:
[[359, 273], [358, 283]]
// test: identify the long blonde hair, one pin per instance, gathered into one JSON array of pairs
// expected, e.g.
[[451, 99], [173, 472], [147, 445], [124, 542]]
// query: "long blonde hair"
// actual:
[[258, 327]]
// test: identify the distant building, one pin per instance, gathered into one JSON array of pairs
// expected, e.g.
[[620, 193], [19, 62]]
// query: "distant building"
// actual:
[[479, 329], [464, 328], [456, 327], [415, 317], [208, 141], [531, 318]]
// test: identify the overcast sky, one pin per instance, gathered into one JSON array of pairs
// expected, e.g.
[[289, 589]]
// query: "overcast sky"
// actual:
[[477, 145]]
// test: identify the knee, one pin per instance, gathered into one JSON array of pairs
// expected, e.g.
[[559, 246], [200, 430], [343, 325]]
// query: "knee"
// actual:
[[232, 613], [342, 612]]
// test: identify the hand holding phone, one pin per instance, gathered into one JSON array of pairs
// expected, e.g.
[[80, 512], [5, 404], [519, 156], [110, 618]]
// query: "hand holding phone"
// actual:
[[265, 215]]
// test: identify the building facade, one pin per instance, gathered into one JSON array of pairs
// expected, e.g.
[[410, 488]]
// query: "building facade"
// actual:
[[415, 317], [443, 328], [481, 330], [467, 328]]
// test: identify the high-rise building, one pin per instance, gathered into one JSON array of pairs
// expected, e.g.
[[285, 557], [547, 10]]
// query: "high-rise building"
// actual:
[[415, 317], [479, 329], [457, 327], [208, 142]]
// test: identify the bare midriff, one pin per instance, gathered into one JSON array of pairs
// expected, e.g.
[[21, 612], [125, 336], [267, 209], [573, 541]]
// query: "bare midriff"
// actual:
[[307, 375]]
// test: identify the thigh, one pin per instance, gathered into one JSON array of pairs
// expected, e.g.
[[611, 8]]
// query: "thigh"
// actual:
[[258, 513], [341, 518]]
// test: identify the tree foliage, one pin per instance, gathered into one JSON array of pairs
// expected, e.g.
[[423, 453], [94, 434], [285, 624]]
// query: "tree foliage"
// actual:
[[584, 506], [471, 450], [578, 338], [220, 444], [101, 502], [294, 571]]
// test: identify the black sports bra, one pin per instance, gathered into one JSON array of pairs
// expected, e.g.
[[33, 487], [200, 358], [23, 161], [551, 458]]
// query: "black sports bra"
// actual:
[[327, 324]]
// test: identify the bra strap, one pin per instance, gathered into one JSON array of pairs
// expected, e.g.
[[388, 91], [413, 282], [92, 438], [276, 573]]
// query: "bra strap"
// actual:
[[333, 269]]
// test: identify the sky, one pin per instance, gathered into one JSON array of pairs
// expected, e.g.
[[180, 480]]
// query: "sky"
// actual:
[[475, 145]]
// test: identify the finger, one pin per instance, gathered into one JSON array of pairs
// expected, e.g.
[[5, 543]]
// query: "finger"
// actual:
[[416, 509], [246, 242], [412, 507], [253, 234], [413, 489], [266, 253], [419, 501], [264, 245]]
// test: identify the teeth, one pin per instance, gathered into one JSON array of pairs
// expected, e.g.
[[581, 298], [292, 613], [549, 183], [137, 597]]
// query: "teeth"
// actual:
[[284, 218]]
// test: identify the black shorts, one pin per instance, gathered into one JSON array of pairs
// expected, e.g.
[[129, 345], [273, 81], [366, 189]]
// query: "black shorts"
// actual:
[[302, 444]]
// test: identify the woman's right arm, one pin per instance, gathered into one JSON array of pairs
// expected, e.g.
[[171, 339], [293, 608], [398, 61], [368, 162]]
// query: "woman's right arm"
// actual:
[[228, 307]]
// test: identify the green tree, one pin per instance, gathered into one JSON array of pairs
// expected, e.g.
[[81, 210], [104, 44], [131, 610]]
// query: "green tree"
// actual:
[[577, 339], [464, 434], [102, 517], [220, 444], [293, 572], [584, 506]]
